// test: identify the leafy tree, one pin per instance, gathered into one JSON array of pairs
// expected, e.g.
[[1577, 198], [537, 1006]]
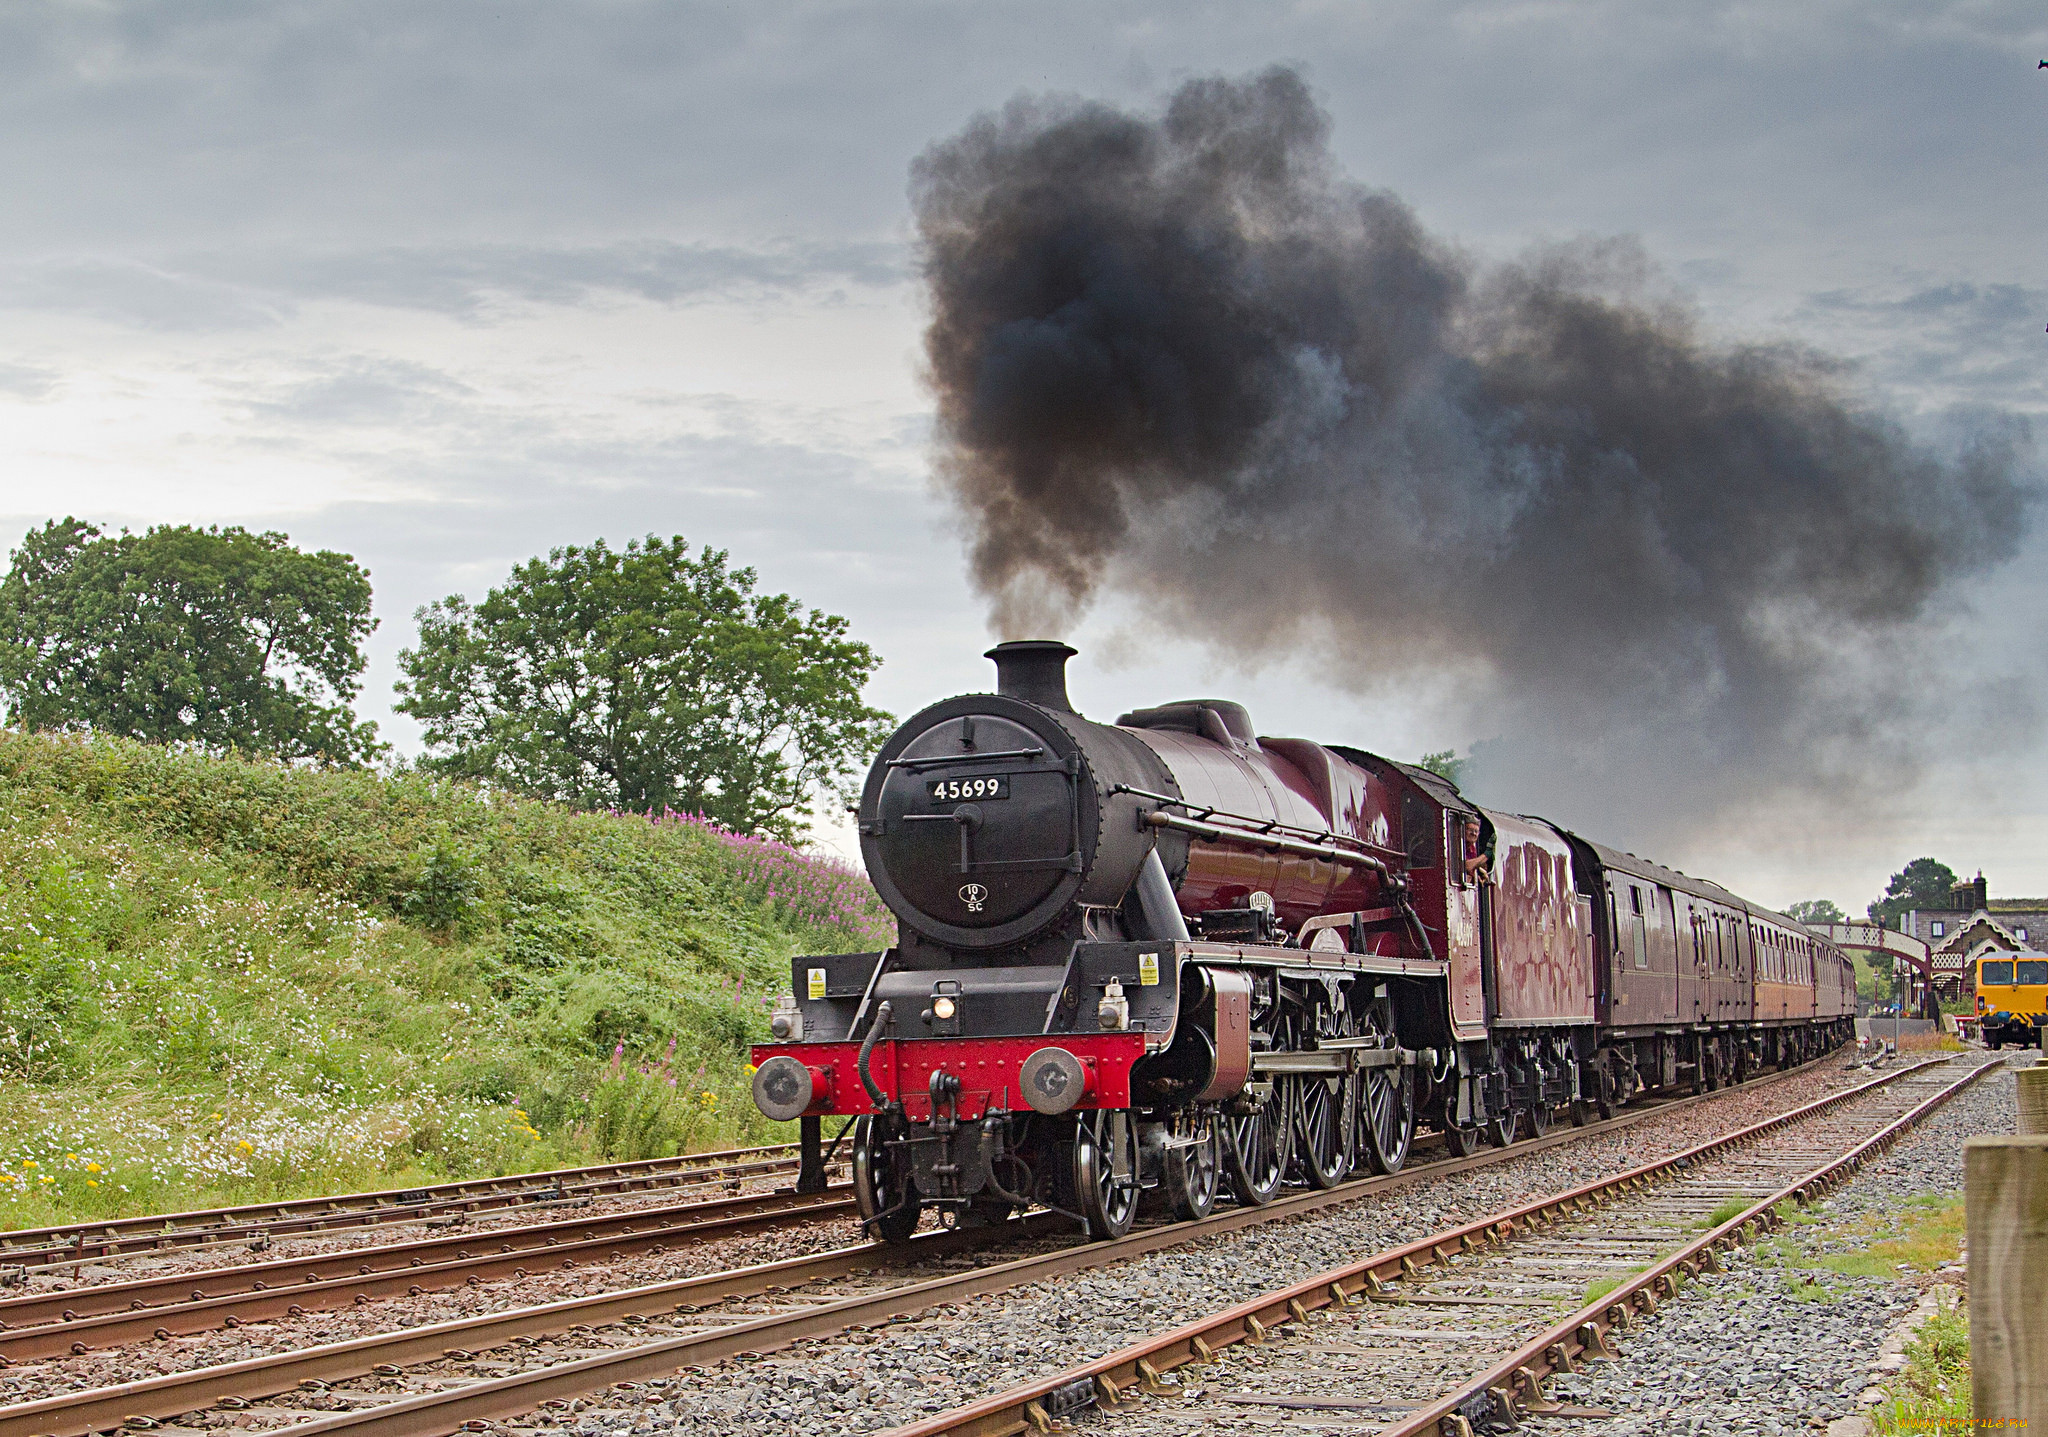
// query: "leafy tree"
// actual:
[[216, 637], [1818, 912], [644, 679], [1923, 883], [1445, 764]]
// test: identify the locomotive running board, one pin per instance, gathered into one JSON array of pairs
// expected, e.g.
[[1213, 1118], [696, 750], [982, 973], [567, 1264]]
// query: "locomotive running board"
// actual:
[[1311, 961]]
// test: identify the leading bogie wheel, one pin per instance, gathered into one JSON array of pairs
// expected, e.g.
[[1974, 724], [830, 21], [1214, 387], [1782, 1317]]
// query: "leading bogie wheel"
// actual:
[[1256, 1149], [886, 1197], [1106, 1172], [1193, 1174], [1537, 1119], [1324, 1111]]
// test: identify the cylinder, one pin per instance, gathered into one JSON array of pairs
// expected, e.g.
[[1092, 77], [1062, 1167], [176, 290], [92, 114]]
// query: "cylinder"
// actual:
[[2033, 1096], [2005, 1185]]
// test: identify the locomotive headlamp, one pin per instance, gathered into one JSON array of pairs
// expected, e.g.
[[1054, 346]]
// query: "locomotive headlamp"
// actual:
[[943, 1008]]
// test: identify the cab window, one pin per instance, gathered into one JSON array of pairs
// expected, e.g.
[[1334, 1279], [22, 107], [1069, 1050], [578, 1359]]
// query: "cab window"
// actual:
[[1996, 974], [2032, 970]]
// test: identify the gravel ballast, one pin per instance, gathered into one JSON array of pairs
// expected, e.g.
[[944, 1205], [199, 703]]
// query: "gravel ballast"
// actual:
[[1757, 1350], [948, 1357]]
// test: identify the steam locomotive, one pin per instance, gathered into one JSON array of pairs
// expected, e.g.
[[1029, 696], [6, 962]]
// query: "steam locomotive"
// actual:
[[1145, 963]]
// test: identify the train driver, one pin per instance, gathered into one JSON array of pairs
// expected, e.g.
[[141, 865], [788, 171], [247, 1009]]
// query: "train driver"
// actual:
[[1477, 863]]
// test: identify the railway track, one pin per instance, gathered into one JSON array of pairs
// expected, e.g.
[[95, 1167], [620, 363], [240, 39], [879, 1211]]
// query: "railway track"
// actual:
[[570, 1348], [74, 1321], [107, 1315], [113, 1314], [1456, 1332], [114, 1238]]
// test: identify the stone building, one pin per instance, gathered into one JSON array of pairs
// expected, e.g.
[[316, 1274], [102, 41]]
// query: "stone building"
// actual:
[[1973, 924]]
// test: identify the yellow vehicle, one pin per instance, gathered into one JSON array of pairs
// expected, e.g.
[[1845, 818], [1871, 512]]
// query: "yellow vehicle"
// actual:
[[2012, 997]]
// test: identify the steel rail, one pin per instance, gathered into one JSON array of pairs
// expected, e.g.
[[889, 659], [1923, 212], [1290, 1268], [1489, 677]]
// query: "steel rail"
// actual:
[[107, 1314], [75, 1414], [76, 1321], [1105, 1381], [205, 1227], [1515, 1383], [235, 1383]]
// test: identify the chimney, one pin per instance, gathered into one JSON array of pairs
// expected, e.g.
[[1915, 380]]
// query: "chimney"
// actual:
[[1034, 670], [1983, 893]]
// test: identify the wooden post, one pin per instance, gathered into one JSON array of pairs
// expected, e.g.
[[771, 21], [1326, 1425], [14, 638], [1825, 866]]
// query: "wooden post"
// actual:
[[2033, 1096], [2006, 1196]]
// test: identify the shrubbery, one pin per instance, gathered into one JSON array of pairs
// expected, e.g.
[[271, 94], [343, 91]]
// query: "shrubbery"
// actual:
[[224, 979]]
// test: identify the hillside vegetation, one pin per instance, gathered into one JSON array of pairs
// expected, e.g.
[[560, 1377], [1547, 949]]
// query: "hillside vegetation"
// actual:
[[230, 980]]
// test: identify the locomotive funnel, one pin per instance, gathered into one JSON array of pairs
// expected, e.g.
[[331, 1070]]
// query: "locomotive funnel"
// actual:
[[1034, 670]]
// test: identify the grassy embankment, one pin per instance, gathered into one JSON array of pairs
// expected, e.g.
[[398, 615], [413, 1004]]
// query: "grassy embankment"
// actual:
[[226, 981]]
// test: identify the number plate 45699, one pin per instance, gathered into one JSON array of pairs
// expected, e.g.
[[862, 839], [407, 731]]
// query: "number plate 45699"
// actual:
[[969, 790]]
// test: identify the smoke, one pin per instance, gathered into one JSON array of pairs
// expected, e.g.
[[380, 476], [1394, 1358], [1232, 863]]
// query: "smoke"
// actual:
[[1184, 360]]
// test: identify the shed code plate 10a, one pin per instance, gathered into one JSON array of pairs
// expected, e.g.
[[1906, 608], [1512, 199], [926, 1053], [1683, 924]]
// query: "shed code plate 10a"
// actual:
[[965, 790]]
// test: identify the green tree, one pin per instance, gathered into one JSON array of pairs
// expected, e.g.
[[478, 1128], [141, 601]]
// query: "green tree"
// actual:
[[645, 679], [1445, 764], [216, 637], [1923, 883], [1816, 912]]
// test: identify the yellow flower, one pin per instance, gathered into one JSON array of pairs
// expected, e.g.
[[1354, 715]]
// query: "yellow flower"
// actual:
[[72, 1156], [216, 1116], [246, 1146], [28, 1162], [92, 1182], [48, 1179], [92, 1167]]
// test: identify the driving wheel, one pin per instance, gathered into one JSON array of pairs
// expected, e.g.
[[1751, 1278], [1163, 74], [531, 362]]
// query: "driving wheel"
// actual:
[[1387, 1116], [1324, 1111], [1256, 1149]]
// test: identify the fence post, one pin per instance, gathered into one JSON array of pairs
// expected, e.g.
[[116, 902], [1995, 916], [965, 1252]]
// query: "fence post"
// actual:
[[2005, 1183], [2033, 1096]]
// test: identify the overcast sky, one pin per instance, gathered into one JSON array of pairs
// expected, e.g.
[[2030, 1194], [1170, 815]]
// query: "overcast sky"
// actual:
[[448, 285]]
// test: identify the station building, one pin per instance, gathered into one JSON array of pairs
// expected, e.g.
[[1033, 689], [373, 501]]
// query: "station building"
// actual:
[[1973, 925]]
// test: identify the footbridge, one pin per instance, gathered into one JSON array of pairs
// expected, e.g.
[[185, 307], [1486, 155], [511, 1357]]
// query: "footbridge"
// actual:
[[1902, 948]]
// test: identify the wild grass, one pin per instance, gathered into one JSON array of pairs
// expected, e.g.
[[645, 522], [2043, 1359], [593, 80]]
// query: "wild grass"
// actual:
[[1727, 1211], [1920, 1236], [1932, 1391], [229, 980]]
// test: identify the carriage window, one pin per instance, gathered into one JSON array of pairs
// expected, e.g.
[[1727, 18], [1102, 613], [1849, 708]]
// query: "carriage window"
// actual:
[[1635, 903], [2032, 970], [1998, 974]]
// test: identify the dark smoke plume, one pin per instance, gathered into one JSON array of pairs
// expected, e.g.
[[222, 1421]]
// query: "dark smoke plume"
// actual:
[[1185, 360]]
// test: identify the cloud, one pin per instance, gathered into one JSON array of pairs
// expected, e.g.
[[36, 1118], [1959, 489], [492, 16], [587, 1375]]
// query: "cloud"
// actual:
[[236, 290], [1943, 343], [27, 381]]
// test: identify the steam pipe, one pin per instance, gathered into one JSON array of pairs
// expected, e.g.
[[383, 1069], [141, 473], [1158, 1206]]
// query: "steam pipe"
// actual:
[[1163, 919], [867, 1049], [1267, 842]]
